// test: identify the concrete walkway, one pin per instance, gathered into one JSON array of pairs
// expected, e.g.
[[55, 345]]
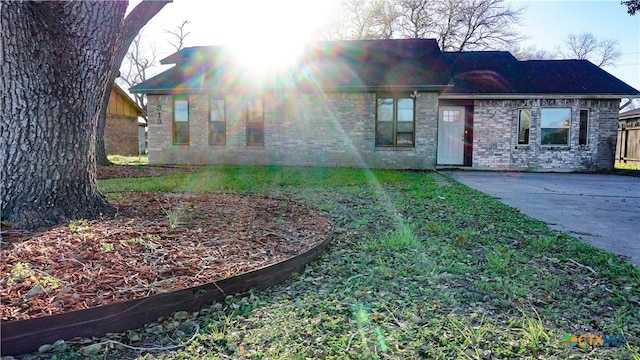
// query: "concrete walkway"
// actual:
[[603, 210]]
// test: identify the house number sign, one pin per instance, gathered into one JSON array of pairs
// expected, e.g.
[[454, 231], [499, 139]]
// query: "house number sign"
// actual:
[[159, 109]]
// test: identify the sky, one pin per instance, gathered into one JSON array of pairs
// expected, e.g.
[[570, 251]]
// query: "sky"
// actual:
[[258, 23], [547, 23]]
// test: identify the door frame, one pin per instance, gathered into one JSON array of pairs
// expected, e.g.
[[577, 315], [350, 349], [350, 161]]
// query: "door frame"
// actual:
[[453, 140], [468, 127]]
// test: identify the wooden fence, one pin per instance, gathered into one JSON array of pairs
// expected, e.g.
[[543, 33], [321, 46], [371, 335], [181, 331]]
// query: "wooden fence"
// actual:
[[628, 144]]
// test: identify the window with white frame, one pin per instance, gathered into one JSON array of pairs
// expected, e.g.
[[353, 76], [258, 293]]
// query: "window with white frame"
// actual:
[[554, 126], [583, 138], [217, 122], [524, 126], [180, 120], [254, 115]]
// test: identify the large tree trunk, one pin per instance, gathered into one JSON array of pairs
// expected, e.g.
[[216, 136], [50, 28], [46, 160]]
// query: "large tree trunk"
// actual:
[[55, 59], [134, 22], [101, 150]]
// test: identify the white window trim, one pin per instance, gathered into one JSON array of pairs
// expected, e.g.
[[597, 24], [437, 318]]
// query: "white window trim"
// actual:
[[588, 126], [528, 143], [568, 144]]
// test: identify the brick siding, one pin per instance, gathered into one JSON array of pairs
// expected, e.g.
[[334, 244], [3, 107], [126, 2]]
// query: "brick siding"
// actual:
[[300, 129], [338, 130], [495, 145], [121, 135]]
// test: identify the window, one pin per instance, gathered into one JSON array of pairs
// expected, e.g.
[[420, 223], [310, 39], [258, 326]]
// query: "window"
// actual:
[[584, 127], [217, 122], [180, 120], [395, 122], [524, 126], [254, 115], [555, 123]]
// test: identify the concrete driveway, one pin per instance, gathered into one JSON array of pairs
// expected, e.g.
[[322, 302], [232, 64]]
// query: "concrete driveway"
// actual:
[[603, 210]]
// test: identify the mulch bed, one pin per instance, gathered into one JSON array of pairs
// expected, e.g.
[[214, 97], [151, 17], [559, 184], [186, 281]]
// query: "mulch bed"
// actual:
[[142, 251]]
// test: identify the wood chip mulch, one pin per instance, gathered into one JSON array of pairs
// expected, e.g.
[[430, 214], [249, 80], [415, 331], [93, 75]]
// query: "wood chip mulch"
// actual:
[[139, 252]]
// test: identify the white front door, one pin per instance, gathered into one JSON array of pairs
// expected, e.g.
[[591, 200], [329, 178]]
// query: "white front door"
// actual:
[[451, 135]]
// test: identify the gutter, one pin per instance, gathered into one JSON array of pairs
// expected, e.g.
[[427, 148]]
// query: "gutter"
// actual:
[[534, 96], [431, 88], [628, 102]]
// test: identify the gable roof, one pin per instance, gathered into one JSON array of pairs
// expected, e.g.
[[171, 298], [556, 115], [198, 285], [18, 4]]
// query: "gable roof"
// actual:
[[570, 77], [120, 103], [482, 72], [398, 64], [374, 64], [498, 72], [414, 64]]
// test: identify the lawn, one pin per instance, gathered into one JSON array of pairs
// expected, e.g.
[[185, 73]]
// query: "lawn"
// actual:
[[631, 165], [128, 160], [420, 267]]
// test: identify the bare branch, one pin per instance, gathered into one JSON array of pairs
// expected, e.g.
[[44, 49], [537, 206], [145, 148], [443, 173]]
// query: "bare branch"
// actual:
[[486, 24], [178, 36], [415, 18], [530, 53], [587, 47], [384, 15], [580, 46], [609, 52], [457, 25], [138, 62], [361, 19]]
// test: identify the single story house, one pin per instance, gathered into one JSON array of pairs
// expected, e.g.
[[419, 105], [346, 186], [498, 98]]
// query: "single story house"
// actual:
[[122, 134], [400, 104]]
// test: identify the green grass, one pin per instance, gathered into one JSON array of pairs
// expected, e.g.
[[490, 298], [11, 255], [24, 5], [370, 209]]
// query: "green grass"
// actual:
[[631, 165], [401, 237], [128, 160], [420, 267]]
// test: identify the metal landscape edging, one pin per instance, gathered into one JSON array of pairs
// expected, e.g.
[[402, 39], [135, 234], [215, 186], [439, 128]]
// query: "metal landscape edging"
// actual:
[[24, 336]]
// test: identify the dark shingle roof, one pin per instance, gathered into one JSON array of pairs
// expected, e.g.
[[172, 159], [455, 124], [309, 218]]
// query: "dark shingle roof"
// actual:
[[498, 72], [414, 64], [570, 77], [349, 65], [482, 72]]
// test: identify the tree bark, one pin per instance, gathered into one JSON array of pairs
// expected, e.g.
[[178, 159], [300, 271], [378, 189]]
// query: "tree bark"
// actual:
[[134, 22], [54, 58], [56, 61], [101, 150]]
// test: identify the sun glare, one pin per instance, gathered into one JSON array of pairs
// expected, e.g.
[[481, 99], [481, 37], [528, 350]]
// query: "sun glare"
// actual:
[[275, 32], [265, 56]]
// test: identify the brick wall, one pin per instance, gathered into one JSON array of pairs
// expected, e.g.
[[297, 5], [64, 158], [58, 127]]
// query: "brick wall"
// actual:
[[301, 129], [338, 130], [121, 135], [495, 144], [609, 113]]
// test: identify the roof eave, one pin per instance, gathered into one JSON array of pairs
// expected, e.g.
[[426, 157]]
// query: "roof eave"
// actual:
[[535, 96], [140, 110], [423, 88]]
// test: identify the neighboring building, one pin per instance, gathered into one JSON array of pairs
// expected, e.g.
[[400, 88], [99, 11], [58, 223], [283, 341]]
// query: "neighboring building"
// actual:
[[385, 104], [631, 117], [121, 132], [628, 144]]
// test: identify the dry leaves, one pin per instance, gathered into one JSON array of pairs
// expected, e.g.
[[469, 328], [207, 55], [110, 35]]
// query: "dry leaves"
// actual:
[[139, 253]]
